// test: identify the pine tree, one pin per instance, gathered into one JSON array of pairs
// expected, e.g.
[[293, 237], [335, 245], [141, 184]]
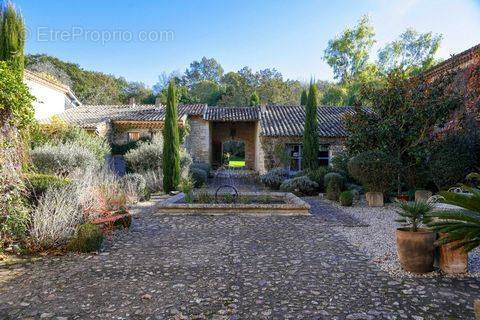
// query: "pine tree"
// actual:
[[254, 99], [303, 98], [310, 135], [171, 143], [12, 36]]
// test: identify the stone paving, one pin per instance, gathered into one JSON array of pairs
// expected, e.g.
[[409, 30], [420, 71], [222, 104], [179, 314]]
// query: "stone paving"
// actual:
[[227, 267]]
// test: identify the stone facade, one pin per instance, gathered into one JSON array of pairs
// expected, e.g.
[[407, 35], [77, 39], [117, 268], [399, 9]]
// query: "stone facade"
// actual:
[[198, 140]]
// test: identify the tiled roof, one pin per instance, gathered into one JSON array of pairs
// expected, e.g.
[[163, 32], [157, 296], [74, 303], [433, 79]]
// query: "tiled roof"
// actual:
[[458, 60], [228, 114], [284, 121], [281, 121], [89, 115]]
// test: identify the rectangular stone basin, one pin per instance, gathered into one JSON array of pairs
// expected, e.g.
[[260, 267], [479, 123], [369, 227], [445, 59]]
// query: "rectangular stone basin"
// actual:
[[283, 204]]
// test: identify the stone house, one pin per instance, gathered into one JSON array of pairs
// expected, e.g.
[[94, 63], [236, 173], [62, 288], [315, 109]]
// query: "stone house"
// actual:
[[265, 130]]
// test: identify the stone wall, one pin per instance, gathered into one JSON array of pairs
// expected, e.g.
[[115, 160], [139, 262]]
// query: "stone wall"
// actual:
[[198, 141], [238, 131]]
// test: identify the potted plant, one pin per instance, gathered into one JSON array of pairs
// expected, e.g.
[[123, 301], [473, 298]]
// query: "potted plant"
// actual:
[[415, 245], [460, 227], [376, 171]]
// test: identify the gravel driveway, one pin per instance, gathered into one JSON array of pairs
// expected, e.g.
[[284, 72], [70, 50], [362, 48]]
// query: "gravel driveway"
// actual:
[[228, 267]]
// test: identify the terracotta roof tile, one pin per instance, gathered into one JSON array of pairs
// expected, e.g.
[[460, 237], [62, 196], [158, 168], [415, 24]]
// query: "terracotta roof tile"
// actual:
[[227, 114]]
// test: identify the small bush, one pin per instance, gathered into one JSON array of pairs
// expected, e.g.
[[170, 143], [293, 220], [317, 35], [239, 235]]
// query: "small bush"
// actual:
[[62, 159], [146, 157], [337, 177], [318, 175], [452, 158], [333, 189], [122, 149], [340, 164], [300, 184], [38, 183], [199, 177], [186, 186], [375, 170], [274, 178], [154, 180], [135, 185], [203, 196], [203, 166], [88, 238], [56, 217], [346, 198]]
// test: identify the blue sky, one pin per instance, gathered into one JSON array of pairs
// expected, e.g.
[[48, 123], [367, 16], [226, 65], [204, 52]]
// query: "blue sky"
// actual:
[[288, 35]]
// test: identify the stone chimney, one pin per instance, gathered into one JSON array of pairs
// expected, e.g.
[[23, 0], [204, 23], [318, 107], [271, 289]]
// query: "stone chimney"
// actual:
[[132, 101], [158, 102]]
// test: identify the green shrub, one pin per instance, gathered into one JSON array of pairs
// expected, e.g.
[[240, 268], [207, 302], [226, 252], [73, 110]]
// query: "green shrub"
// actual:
[[452, 158], [59, 132], [346, 198], [186, 186], [375, 170], [334, 176], [146, 157], [300, 184], [63, 159], [135, 183], [203, 196], [318, 175], [154, 181], [340, 164], [274, 178], [37, 184], [201, 165], [333, 189], [122, 149], [199, 177], [88, 238]]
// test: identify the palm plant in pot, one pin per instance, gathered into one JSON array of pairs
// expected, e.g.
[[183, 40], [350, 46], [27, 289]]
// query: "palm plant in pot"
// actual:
[[460, 228], [415, 244]]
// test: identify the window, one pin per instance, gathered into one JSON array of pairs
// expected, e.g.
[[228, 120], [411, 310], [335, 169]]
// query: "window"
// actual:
[[324, 155], [133, 136], [295, 152]]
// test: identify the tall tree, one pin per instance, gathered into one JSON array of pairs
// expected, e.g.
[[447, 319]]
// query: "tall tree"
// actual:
[[304, 98], [171, 143], [310, 134], [12, 36], [254, 99], [348, 54], [412, 52], [205, 69]]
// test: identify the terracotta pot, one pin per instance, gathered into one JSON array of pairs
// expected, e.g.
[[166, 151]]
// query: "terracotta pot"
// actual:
[[416, 250], [374, 199], [476, 307], [423, 195], [453, 261]]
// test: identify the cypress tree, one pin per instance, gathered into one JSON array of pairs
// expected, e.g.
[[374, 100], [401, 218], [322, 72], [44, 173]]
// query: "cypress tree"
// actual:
[[12, 36], [303, 98], [254, 99], [171, 143], [310, 134]]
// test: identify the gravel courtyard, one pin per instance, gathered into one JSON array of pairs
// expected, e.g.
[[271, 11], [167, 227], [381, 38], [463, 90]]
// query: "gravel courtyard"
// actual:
[[229, 267]]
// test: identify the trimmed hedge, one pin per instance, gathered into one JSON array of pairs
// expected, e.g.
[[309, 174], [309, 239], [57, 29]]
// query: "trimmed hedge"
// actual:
[[300, 184], [334, 188], [339, 179], [88, 238], [346, 198]]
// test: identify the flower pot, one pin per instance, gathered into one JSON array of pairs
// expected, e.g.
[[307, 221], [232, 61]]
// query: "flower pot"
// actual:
[[423, 195], [374, 199], [403, 198], [416, 250], [453, 261]]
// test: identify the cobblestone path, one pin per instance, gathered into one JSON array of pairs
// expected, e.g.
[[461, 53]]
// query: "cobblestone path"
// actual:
[[227, 267]]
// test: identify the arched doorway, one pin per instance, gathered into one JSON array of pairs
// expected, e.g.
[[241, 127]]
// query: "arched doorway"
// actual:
[[233, 153]]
